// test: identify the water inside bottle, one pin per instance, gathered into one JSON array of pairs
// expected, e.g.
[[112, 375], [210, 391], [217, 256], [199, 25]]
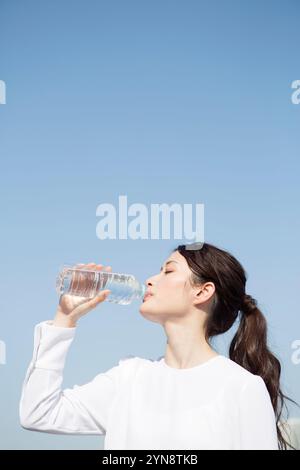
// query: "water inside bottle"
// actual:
[[87, 283]]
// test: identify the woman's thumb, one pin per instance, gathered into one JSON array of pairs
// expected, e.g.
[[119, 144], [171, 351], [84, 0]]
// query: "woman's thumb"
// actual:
[[104, 294], [87, 306]]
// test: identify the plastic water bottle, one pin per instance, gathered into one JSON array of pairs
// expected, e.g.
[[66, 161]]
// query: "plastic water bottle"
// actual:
[[87, 283]]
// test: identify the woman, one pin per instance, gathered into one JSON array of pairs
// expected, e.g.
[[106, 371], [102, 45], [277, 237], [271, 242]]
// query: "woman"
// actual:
[[193, 397]]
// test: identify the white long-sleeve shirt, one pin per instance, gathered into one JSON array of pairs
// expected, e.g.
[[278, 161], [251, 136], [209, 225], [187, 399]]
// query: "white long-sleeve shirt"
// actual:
[[147, 404]]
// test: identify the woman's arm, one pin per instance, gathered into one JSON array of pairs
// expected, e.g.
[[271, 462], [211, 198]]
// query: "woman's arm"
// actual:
[[257, 417], [45, 407]]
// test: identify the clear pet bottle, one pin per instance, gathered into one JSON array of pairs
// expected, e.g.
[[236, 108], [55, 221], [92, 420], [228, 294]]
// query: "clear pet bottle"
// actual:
[[87, 283]]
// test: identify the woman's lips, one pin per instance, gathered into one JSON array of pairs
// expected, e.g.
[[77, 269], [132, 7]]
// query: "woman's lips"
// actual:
[[147, 297]]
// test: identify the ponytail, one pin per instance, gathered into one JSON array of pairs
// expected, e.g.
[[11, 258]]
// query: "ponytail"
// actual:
[[249, 349]]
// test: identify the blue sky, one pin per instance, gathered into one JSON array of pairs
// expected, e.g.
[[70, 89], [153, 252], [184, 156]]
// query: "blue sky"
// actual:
[[164, 101]]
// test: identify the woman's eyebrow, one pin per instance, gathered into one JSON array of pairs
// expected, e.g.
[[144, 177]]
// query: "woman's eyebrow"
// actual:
[[168, 262]]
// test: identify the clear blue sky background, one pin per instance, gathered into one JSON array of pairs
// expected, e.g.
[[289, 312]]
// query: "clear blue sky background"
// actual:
[[164, 101]]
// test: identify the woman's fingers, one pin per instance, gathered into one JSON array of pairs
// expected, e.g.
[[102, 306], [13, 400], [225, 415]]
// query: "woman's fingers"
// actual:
[[101, 267], [91, 266], [91, 304]]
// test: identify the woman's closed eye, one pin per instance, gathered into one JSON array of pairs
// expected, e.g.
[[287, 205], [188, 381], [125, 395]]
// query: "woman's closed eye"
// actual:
[[167, 272]]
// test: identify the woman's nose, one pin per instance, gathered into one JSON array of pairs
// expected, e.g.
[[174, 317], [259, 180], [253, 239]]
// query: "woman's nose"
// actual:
[[151, 281]]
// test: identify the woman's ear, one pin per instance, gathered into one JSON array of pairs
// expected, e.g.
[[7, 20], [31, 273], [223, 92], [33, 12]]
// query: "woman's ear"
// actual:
[[204, 292]]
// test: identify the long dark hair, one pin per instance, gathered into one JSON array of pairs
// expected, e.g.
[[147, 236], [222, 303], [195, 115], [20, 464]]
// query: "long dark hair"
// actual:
[[249, 346]]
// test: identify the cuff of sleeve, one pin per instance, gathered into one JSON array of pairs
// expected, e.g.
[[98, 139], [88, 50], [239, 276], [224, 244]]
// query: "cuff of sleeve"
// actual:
[[51, 345]]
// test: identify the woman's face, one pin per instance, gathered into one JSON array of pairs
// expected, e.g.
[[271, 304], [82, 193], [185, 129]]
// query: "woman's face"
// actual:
[[171, 292]]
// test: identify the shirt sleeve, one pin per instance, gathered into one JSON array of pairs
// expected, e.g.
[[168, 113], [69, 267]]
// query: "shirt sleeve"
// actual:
[[44, 406], [257, 418]]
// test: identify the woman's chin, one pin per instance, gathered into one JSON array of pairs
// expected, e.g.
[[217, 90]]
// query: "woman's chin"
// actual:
[[142, 308], [145, 310], [150, 316]]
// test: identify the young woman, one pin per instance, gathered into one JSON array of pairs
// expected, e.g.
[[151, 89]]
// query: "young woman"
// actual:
[[193, 397]]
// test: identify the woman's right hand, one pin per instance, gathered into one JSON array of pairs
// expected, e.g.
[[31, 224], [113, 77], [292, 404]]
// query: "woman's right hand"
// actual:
[[73, 307]]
